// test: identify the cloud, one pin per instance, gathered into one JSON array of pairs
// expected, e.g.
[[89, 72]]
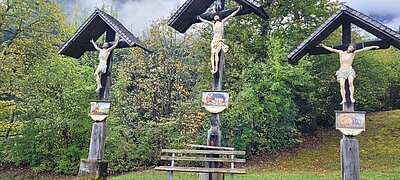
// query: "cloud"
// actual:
[[381, 7], [135, 15], [384, 11], [138, 15]]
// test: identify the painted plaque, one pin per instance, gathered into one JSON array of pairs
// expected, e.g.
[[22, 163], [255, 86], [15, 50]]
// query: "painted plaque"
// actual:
[[99, 110], [215, 101], [350, 123]]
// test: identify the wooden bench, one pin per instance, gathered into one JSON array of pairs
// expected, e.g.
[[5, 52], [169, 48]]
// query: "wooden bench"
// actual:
[[202, 154]]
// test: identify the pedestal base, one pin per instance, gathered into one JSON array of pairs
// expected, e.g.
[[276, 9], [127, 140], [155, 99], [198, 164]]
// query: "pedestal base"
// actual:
[[92, 169]]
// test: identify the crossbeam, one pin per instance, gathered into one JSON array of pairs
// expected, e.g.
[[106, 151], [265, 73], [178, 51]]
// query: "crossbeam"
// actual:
[[320, 50]]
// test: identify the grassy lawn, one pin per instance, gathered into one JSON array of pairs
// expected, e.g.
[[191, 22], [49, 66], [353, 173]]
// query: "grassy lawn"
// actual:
[[379, 156]]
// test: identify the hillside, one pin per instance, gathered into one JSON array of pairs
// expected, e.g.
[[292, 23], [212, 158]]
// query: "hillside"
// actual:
[[320, 159]]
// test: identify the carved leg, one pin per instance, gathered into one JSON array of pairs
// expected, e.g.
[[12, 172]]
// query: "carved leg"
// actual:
[[217, 58], [342, 90], [351, 87], [97, 77], [212, 62]]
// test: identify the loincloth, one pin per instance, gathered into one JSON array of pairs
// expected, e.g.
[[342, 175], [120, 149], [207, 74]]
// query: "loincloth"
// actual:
[[102, 68], [216, 43], [345, 74]]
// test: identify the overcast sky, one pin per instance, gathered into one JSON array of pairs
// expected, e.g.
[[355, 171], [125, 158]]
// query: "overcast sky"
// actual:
[[137, 15], [385, 11]]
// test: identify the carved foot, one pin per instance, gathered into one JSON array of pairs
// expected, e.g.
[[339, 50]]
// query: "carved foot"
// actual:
[[352, 100], [214, 71], [98, 88], [344, 101]]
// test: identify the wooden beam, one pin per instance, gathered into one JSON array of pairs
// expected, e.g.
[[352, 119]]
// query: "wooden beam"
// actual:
[[186, 151], [346, 32], [320, 50], [201, 169], [89, 47], [106, 77], [204, 159], [210, 147]]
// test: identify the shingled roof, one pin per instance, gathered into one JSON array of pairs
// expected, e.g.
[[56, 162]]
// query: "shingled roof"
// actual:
[[95, 26], [186, 15], [345, 14]]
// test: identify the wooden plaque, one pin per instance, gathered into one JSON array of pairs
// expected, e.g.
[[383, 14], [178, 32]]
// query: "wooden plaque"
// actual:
[[215, 101], [350, 123], [99, 109]]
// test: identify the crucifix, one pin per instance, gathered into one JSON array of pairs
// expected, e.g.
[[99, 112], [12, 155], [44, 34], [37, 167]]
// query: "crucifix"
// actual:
[[92, 29], [348, 121], [193, 11]]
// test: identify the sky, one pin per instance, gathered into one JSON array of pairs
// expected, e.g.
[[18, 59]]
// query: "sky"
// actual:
[[137, 15], [384, 11]]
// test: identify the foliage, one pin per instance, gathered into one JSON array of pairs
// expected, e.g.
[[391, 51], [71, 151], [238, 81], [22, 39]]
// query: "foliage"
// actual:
[[149, 91], [156, 96], [46, 96], [264, 112], [320, 159]]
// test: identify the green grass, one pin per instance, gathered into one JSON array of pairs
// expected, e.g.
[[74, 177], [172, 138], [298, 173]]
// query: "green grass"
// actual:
[[154, 175], [379, 156]]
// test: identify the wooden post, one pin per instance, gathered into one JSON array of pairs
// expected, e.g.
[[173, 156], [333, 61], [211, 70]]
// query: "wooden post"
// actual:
[[106, 78], [94, 166], [214, 133], [350, 161]]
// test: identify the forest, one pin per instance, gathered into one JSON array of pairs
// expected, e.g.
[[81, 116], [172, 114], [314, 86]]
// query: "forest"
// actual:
[[156, 97]]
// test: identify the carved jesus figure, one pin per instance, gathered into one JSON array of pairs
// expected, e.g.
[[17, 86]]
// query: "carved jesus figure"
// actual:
[[104, 52], [346, 70], [217, 42]]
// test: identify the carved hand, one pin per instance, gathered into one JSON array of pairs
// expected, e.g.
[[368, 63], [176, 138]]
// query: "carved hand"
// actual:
[[92, 41], [198, 17], [240, 7]]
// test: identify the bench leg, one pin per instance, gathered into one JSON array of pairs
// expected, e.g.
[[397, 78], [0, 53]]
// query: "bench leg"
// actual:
[[169, 175]]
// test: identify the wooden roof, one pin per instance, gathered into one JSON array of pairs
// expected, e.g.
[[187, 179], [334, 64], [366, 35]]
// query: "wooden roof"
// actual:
[[345, 14], [95, 26], [186, 15]]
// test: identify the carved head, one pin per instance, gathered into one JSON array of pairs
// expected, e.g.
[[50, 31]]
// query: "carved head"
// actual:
[[105, 45], [351, 48], [216, 17]]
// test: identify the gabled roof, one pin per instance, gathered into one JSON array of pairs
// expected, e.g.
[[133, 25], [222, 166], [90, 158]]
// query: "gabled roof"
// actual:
[[345, 14], [95, 26], [187, 13]]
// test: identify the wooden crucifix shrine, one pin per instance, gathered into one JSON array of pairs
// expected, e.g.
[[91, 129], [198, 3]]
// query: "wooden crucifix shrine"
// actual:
[[92, 29], [193, 11], [348, 121]]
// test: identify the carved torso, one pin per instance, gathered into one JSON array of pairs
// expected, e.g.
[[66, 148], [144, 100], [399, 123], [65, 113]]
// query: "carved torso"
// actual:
[[218, 30], [346, 60], [103, 56]]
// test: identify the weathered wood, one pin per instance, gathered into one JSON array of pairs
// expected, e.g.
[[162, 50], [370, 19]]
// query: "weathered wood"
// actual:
[[210, 147], [348, 106], [203, 159], [187, 151], [350, 160], [346, 32], [97, 140], [320, 50], [201, 169]]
